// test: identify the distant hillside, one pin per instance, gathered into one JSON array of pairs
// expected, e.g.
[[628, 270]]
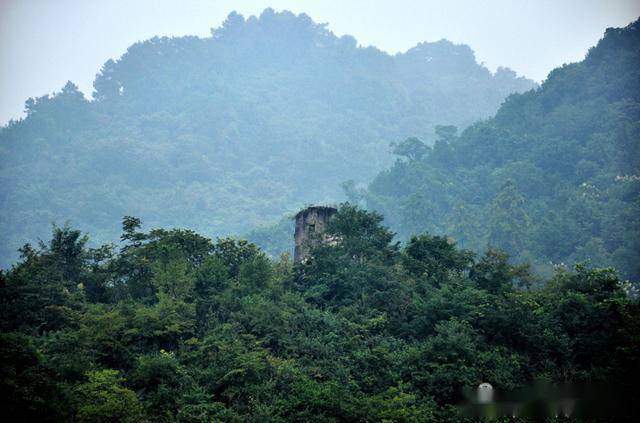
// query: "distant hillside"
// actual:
[[221, 134], [553, 178]]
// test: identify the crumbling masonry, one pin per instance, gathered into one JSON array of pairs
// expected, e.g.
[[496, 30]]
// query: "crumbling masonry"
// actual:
[[310, 227]]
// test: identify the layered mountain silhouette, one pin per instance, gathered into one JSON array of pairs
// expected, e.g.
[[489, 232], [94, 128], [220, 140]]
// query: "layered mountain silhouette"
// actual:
[[224, 133], [553, 178]]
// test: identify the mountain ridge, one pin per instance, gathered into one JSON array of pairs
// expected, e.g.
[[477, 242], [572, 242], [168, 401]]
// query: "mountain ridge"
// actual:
[[222, 134], [550, 169]]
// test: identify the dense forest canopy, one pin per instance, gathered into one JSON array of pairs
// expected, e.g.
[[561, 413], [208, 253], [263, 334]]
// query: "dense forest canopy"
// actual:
[[502, 252], [223, 133], [553, 178], [176, 327]]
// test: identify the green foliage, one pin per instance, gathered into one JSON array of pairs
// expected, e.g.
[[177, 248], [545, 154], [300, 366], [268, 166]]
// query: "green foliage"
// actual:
[[160, 379], [448, 360], [200, 132], [553, 178], [26, 385], [174, 326], [411, 148], [103, 399], [494, 273], [435, 257], [365, 330], [509, 221]]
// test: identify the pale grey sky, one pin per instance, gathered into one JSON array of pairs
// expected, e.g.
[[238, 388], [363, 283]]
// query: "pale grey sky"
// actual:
[[44, 43]]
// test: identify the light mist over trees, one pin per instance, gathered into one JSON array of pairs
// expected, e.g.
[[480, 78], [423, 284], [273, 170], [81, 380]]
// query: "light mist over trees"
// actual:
[[490, 237], [226, 133], [552, 179]]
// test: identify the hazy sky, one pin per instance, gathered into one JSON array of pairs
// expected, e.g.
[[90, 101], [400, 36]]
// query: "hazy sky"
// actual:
[[44, 43]]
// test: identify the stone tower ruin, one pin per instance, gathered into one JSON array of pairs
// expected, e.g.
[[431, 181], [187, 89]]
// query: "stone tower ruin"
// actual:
[[310, 227]]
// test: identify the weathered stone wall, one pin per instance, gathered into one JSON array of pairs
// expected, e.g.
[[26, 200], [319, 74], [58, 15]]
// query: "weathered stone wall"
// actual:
[[310, 226]]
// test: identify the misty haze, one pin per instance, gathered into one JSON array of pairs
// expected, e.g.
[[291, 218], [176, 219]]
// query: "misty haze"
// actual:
[[283, 218]]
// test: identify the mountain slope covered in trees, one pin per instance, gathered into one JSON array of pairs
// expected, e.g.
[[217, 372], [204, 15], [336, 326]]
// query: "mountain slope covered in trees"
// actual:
[[222, 133], [553, 178], [176, 327]]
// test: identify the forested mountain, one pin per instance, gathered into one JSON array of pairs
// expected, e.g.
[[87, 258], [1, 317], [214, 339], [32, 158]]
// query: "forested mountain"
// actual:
[[175, 327], [553, 178], [222, 133]]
